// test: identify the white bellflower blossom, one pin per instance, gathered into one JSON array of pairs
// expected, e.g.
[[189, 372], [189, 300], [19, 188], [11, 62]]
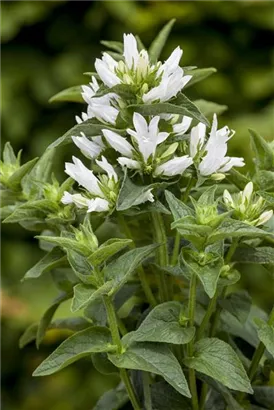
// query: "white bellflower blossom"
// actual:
[[142, 154], [155, 82], [210, 156]]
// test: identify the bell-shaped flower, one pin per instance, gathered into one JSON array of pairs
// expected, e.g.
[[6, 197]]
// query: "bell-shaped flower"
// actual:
[[182, 127], [90, 148], [103, 108], [210, 156], [155, 82], [247, 206], [101, 192], [142, 153]]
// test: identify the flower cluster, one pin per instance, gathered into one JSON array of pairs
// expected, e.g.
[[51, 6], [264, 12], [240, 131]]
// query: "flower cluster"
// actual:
[[151, 146], [247, 206]]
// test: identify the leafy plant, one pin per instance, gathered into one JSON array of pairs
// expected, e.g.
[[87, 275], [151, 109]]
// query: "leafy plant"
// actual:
[[157, 297]]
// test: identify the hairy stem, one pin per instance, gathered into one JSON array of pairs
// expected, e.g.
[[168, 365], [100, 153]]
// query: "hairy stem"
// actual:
[[113, 325], [141, 273], [190, 347], [162, 254]]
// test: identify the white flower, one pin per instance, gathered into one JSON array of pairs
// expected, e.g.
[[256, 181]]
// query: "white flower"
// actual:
[[215, 159], [106, 70], [183, 126], [106, 166], [98, 205], [90, 148], [175, 166], [264, 217], [79, 200], [142, 153]]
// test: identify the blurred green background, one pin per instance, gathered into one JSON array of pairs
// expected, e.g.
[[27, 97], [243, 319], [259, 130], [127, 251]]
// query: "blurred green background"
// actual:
[[46, 46]]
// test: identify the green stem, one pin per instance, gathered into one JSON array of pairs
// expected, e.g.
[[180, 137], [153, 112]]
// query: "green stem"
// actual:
[[190, 347], [162, 254], [113, 325], [176, 248], [259, 352], [141, 273], [206, 319], [203, 396], [146, 389]]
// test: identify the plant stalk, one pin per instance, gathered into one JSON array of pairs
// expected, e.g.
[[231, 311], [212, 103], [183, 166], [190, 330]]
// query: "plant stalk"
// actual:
[[113, 325], [141, 273], [190, 347], [146, 389]]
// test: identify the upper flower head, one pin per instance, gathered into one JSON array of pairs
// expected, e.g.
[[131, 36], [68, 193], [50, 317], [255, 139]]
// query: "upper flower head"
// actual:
[[153, 81], [210, 155], [247, 206], [142, 153]]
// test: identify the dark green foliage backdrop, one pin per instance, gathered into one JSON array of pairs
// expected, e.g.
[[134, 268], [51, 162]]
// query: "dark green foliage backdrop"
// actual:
[[46, 46]]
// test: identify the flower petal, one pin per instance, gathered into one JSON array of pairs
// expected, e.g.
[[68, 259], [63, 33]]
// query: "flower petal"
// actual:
[[175, 166], [98, 205], [80, 173], [129, 163], [197, 138], [231, 162], [119, 143], [183, 126], [131, 53], [79, 200], [106, 166], [89, 148]]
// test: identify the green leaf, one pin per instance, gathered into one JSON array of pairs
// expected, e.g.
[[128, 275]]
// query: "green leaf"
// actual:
[[122, 268], [177, 207], [8, 154], [90, 128], [263, 151], [208, 108], [262, 255], [81, 267], [264, 395], [84, 294], [232, 228], [218, 360], [180, 105], [15, 180], [81, 344], [266, 335], [208, 196], [113, 399], [114, 45], [47, 317], [237, 178], [21, 214], [162, 325], [238, 304], [102, 364], [50, 261], [158, 43], [164, 397], [265, 180], [198, 74], [125, 91], [131, 195], [153, 358], [66, 243], [71, 323], [108, 249], [72, 94], [208, 272]]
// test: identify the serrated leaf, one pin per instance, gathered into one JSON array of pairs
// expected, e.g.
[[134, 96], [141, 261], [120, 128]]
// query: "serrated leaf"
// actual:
[[122, 268], [153, 358], [198, 74], [113, 399], [260, 255], [15, 179], [263, 151], [180, 105], [162, 325], [208, 108], [266, 335], [158, 43], [81, 344], [108, 249], [50, 261], [47, 317], [232, 228], [89, 127], [218, 360], [177, 207]]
